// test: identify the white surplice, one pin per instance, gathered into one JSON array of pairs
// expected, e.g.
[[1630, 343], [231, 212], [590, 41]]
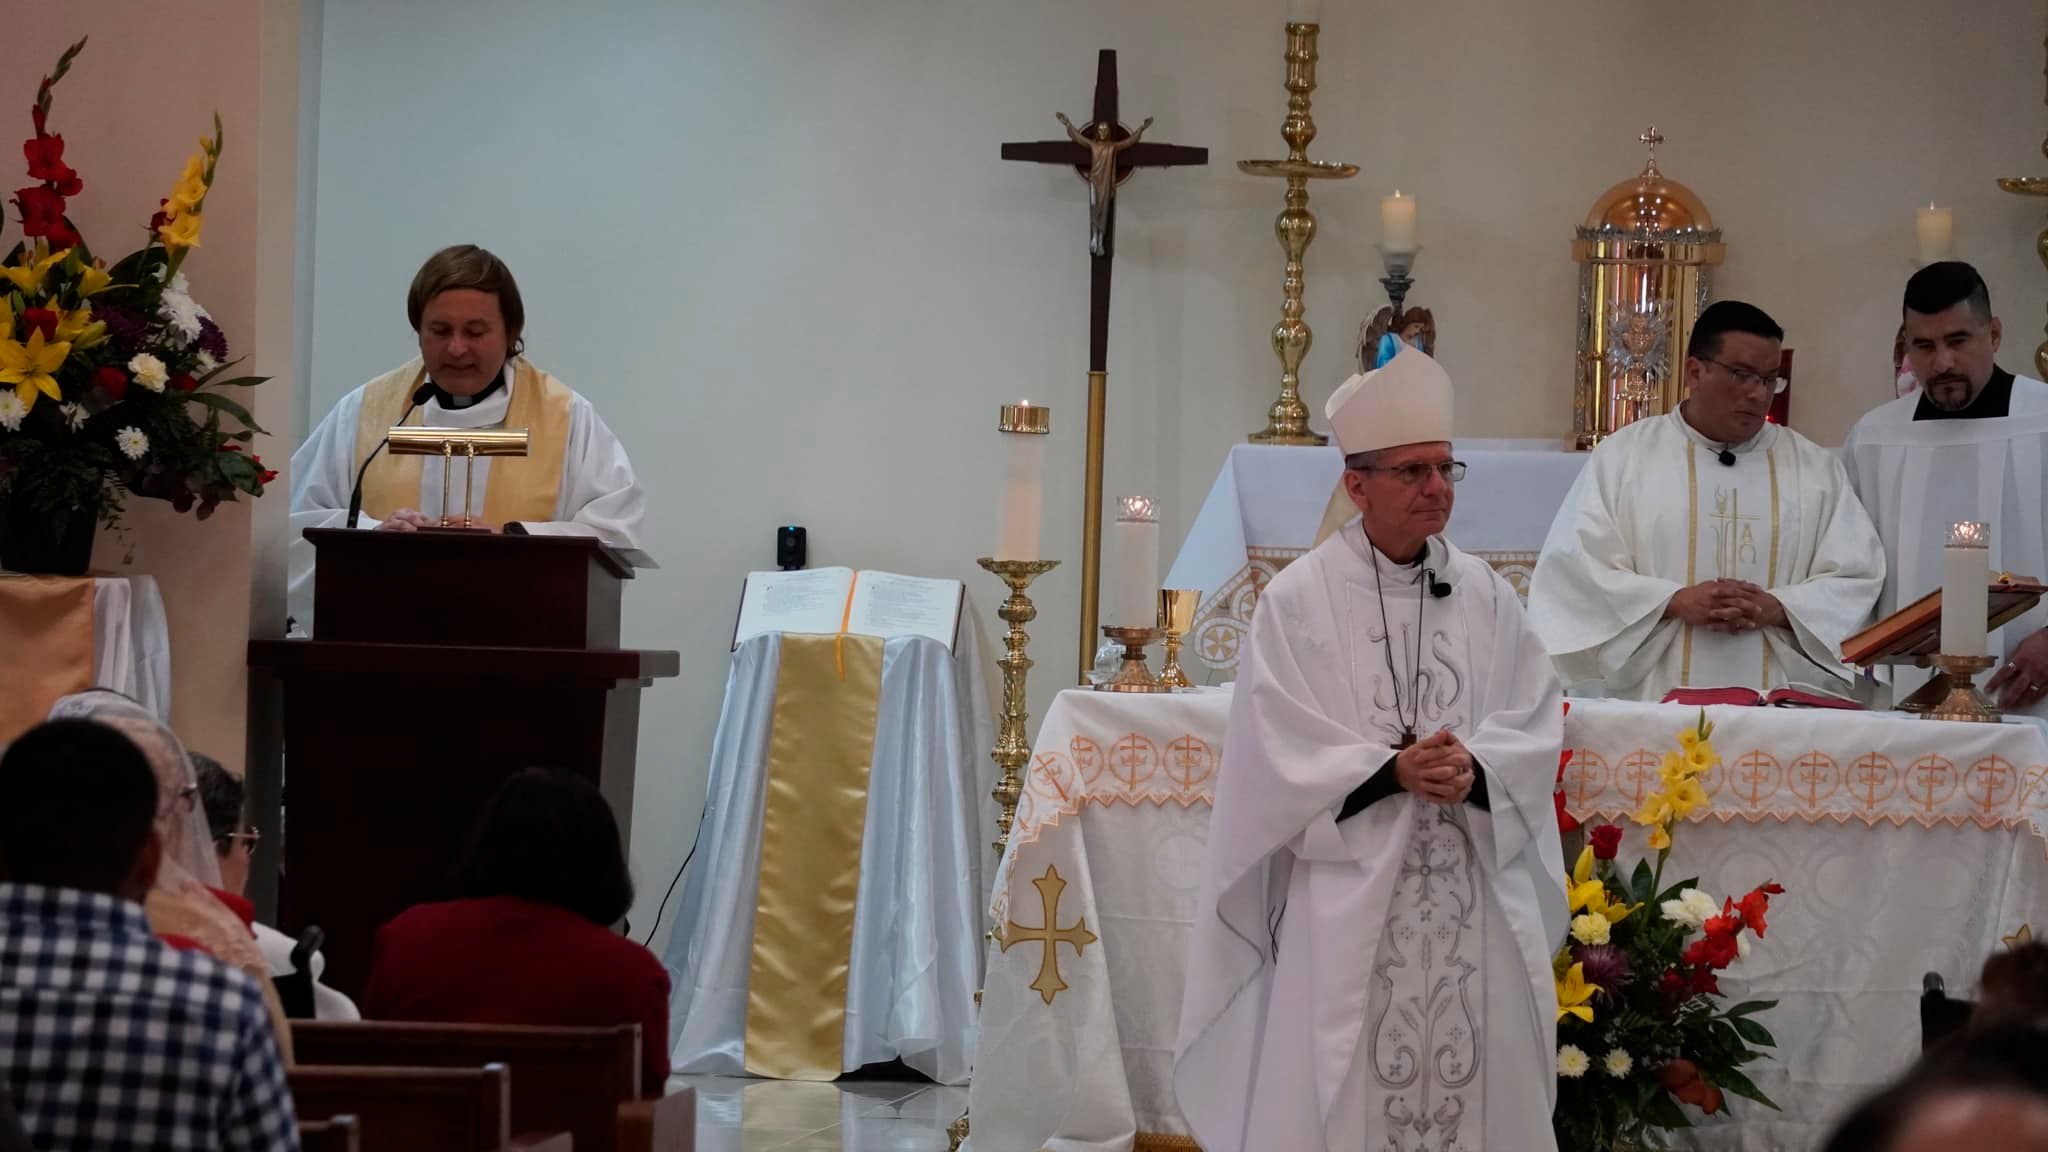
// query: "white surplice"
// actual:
[[599, 494], [1386, 983], [1656, 511], [1919, 477]]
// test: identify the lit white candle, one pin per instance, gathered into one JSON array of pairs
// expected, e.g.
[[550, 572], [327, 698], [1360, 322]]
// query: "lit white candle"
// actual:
[[1137, 535], [1024, 427], [1965, 589], [1935, 229], [1304, 11], [1397, 222]]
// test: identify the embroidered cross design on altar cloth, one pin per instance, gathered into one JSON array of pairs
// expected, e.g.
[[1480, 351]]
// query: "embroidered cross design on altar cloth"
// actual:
[[1049, 934]]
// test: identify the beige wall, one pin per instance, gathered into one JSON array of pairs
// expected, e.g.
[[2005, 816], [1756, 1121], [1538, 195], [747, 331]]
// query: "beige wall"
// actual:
[[133, 107], [774, 244]]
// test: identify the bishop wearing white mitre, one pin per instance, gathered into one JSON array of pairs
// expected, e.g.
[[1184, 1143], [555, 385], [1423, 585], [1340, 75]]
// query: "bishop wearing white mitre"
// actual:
[[1708, 547], [1370, 963], [466, 310]]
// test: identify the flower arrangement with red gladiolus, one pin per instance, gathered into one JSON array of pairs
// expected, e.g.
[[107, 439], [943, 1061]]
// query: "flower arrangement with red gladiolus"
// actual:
[[113, 380], [1642, 1028]]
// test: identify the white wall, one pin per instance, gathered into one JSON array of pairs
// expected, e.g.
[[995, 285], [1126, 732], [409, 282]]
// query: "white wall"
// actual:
[[131, 111], [773, 241]]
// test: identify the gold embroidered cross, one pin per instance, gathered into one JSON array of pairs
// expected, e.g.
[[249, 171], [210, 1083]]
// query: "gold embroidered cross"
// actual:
[[1050, 935]]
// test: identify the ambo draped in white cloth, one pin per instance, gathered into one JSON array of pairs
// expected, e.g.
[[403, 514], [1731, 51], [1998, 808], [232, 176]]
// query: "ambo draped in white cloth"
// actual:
[[1385, 983], [1919, 477], [924, 862]]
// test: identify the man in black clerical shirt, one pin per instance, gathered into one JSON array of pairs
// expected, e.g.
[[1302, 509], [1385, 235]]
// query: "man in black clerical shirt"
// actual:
[[1951, 338]]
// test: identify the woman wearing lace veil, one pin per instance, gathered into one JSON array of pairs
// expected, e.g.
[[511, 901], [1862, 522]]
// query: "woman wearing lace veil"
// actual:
[[181, 904]]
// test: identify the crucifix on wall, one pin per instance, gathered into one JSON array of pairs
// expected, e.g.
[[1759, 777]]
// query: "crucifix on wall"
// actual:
[[1105, 153]]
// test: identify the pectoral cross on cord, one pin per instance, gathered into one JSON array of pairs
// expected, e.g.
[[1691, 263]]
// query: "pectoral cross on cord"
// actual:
[[1387, 649]]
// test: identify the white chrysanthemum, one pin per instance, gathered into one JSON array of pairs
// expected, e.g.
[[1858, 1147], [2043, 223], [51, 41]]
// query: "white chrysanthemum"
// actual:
[[180, 285], [1590, 929], [204, 363], [181, 311], [12, 410], [131, 442], [149, 371], [1619, 1063], [1693, 908], [1572, 1062], [74, 415], [1742, 944]]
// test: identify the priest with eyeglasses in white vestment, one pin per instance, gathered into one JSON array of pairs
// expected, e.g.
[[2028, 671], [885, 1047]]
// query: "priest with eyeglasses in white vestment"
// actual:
[[466, 310], [1708, 547], [1382, 892]]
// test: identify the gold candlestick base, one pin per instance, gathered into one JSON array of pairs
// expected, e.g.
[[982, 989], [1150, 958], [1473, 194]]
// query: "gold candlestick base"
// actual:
[[1951, 693], [1134, 675], [1012, 747]]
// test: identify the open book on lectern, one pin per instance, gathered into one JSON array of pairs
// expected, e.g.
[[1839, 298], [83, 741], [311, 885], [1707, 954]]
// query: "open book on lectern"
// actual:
[[827, 601], [1915, 630]]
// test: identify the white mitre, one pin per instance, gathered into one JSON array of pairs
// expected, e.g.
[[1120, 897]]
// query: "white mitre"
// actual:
[[1407, 400]]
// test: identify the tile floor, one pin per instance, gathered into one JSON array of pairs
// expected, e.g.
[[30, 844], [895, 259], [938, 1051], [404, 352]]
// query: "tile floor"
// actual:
[[852, 1116]]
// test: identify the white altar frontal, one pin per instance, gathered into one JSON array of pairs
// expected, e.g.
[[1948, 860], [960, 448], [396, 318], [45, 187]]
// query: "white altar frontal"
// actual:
[[1905, 847], [1267, 502]]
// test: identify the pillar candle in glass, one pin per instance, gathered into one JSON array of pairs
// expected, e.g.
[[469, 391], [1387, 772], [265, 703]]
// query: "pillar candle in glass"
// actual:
[[1137, 586], [1965, 588], [1934, 231], [1024, 427]]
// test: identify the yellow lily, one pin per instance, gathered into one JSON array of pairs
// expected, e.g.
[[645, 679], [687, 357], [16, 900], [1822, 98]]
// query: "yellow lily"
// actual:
[[6, 318], [28, 279], [1689, 738], [1660, 838], [31, 367], [1685, 796], [92, 280], [1586, 888], [182, 232], [78, 329], [1573, 993]]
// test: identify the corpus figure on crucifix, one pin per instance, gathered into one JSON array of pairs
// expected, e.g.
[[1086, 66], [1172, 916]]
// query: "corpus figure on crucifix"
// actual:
[[1102, 153]]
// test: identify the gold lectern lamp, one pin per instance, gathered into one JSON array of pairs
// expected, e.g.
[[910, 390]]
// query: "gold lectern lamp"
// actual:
[[448, 443]]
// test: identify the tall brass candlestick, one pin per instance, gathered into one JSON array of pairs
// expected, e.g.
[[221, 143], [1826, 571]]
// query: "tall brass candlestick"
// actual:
[[1287, 419], [1013, 747], [2034, 186]]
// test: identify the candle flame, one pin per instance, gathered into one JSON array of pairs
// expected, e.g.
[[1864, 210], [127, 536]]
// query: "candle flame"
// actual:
[[1136, 509], [1969, 534]]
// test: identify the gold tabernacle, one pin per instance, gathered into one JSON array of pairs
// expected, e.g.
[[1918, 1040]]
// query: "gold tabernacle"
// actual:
[[448, 443]]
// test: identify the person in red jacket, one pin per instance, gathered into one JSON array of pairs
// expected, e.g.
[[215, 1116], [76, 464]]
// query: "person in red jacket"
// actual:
[[542, 880]]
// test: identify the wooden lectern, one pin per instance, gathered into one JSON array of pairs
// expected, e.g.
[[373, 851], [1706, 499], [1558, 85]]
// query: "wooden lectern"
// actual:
[[445, 662]]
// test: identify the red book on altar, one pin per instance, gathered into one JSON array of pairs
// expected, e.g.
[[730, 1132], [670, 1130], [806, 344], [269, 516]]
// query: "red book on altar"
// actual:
[[1751, 698]]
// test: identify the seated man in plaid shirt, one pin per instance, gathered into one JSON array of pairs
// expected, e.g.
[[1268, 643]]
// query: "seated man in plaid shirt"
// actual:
[[109, 1039]]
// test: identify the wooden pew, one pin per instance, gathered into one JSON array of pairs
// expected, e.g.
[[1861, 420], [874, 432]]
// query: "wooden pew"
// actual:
[[419, 1109], [339, 1134], [585, 1081]]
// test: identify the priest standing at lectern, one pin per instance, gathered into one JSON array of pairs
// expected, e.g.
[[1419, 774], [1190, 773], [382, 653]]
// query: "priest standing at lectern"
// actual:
[[1972, 444], [1708, 547], [1382, 892], [574, 481]]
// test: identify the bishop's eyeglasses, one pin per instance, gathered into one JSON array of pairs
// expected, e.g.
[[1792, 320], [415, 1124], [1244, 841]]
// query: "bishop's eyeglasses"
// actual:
[[1412, 475]]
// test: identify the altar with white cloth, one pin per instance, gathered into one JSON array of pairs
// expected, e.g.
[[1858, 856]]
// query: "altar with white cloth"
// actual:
[[1906, 846], [131, 639], [1267, 502], [923, 864]]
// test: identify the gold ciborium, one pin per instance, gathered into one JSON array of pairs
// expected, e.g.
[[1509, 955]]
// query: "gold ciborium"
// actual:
[[1133, 675], [1177, 618]]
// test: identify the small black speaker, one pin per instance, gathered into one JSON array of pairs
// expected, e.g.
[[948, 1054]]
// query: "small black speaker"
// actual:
[[790, 546]]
